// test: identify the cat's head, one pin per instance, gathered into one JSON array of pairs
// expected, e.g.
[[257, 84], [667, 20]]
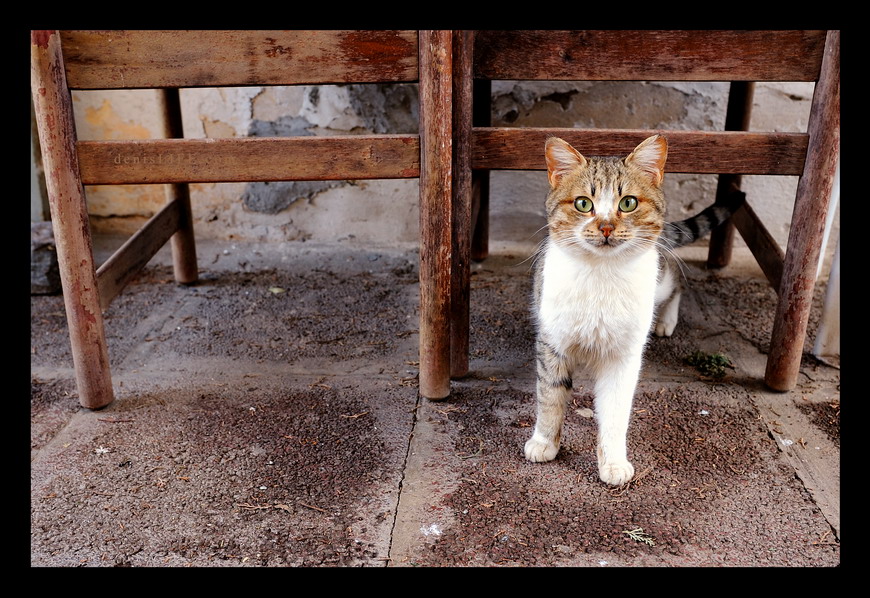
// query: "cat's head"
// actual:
[[606, 206]]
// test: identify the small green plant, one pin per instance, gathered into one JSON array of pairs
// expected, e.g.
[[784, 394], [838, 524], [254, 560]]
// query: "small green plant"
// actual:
[[639, 535], [713, 365]]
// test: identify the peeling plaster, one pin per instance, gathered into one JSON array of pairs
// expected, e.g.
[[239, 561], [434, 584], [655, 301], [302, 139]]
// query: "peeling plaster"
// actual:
[[387, 108], [127, 114], [285, 126], [216, 129], [329, 108], [109, 125], [274, 103], [204, 108], [272, 198], [607, 104]]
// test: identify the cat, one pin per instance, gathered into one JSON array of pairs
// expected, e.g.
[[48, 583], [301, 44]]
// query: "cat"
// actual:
[[602, 282]]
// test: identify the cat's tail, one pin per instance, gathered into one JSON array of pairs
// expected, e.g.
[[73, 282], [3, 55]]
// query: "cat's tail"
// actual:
[[677, 234]]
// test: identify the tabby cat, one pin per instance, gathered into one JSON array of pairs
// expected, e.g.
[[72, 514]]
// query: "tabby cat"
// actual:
[[601, 284]]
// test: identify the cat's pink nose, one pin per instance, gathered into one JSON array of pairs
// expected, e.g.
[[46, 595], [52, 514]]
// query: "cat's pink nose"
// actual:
[[606, 229]]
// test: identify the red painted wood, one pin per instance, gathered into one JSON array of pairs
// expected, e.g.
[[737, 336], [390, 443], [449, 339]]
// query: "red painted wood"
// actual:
[[214, 58]]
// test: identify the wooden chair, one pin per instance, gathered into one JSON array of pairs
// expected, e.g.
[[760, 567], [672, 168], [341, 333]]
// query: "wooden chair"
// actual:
[[169, 60], [741, 57]]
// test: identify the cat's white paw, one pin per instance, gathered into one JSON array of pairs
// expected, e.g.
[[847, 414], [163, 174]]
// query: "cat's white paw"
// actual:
[[616, 473], [665, 326], [539, 449], [668, 317]]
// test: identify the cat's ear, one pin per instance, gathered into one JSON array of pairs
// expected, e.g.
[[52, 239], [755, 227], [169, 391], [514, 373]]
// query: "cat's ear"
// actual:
[[650, 157], [561, 159]]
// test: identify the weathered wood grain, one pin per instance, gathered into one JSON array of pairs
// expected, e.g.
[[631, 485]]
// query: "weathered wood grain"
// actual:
[[710, 152], [649, 55], [209, 58], [246, 159], [481, 117], [183, 242], [737, 117], [57, 137], [462, 200], [807, 226], [436, 88]]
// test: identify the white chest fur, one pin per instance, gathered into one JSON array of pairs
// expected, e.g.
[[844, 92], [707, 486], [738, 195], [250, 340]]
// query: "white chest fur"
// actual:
[[597, 306]]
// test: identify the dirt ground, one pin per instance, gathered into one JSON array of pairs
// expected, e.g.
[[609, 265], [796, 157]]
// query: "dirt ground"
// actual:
[[269, 416]]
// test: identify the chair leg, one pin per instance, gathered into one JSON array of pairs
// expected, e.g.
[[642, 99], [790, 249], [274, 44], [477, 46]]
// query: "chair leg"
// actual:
[[183, 243], [737, 117], [480, 215], [463, 43], [482, 116], [808, 224], [435, 211], [54, 115]]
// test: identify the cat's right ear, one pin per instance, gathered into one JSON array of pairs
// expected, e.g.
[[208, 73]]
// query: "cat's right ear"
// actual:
[[561, 160]]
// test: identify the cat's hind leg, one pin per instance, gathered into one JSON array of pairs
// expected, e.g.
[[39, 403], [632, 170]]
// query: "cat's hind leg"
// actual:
[[554, 391], [667, 300], [668, 315]]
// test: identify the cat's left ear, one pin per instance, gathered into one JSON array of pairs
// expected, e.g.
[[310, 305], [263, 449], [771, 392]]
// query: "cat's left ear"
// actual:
[[561, 159], [650, 157]]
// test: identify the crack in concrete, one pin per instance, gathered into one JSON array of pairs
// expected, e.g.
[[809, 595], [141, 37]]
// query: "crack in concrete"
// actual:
[[401, 488]]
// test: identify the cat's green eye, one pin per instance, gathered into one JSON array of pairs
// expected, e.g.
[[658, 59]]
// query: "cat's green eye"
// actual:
[[583, 204], [627, 203]]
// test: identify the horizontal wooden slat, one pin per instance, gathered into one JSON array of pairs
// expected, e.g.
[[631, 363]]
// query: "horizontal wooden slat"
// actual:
[[132, 256], [699, 152], [152, 59], [249, 159], [685, 55]]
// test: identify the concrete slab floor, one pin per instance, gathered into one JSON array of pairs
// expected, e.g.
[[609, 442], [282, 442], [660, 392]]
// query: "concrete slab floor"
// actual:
[[268, 416]]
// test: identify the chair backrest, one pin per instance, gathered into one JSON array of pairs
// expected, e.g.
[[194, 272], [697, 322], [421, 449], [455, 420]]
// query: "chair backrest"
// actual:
[[178, 59], [730, 56], [650, 56]]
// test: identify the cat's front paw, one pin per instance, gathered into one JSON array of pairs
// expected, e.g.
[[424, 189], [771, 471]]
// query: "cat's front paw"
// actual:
[[616, 473], [539, 449]]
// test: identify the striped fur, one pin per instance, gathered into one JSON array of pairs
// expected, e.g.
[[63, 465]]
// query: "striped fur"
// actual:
[[685, 232]]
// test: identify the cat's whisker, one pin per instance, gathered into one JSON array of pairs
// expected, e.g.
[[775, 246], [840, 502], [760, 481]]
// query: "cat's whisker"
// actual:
[[667, 251], [537, 254], [543, 228], [539, 249]]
